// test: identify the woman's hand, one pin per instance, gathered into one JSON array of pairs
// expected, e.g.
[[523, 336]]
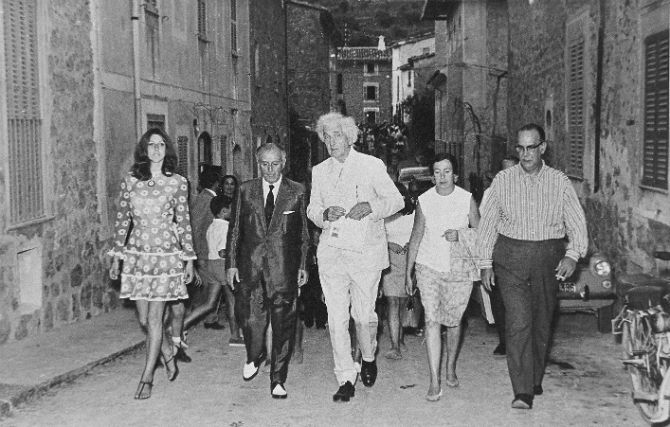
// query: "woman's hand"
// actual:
[[188, 271], [451, 235], [114, 269]]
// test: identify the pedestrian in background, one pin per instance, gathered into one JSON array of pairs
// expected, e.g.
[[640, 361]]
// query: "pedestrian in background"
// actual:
[[268, 240], [153, 238], [529, 211], [445, 272], [351, 195], [497, 305], [398, 231]]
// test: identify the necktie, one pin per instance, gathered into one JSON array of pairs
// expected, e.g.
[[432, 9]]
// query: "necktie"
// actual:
[[269, 205]]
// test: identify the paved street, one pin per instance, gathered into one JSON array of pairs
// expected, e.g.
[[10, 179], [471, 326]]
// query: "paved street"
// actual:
[[210, 391]]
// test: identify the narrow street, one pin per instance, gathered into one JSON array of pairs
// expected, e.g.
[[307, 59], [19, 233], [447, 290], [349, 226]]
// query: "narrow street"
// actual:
[[210, 390]]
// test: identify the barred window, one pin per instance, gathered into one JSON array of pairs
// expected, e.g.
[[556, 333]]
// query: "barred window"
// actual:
[[24, 121], [655, 148]]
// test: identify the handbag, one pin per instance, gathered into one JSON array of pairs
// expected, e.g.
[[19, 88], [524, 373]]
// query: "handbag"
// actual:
[[411, 316]]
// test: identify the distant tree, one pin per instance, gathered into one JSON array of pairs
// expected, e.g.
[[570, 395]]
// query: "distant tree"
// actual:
[[384, 19], [344, 6], [421, 110]]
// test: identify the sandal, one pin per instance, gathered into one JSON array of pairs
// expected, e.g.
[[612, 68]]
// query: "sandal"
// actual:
[[143, 390], [171, 373]]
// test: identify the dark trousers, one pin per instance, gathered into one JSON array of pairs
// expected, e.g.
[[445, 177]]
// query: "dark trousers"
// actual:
[[525, 272], [498, 309], [253, 309]]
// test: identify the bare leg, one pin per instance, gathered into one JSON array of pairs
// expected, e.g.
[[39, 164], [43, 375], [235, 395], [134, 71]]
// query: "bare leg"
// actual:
[[434, 350], [453, 338], [151, 317], [213, 295], [177, 319], [230, 312], [394, 305]]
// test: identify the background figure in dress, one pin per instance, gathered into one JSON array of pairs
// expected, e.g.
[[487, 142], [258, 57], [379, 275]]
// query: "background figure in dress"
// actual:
[[444, 271], [398, 231], [153, 238]]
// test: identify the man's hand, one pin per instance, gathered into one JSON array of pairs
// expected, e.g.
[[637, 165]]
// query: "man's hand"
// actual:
[[565, 268], [114, 269], [188, 271], [488, 280], [333, 213], [302, 277], [197, 280], [232, 276], [360, 211]]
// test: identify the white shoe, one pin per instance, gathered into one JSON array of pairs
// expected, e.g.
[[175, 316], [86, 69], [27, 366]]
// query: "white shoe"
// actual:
[[279, 392], [250, 371]]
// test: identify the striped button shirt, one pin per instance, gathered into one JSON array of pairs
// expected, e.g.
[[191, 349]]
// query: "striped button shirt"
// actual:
[[533, 208]]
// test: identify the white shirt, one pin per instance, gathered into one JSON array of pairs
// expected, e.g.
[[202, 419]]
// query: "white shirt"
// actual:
[[399, 228], [266, 189], [441, 213], [216, 237]]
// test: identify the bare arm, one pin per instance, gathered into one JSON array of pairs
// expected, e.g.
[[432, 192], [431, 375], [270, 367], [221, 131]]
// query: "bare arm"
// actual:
[[415, 239]]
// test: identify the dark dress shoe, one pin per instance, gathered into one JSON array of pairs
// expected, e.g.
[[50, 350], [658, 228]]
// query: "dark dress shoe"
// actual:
[[214, 325], [181, 355], [537, 390], [345, 392], [369, 373], [522, 401], [500, 350]]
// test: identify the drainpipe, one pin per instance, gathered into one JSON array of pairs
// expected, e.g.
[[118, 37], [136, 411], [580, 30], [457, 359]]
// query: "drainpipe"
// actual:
[[599, 96], [135, 20]]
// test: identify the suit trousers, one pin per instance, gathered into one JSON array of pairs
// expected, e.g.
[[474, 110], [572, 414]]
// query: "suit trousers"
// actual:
[[357, 289], [525, 272], [253, 310]]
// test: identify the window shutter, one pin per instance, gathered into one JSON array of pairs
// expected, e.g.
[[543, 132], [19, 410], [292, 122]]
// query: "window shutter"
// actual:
[[182, 155], [23, 110], [233, 26], [655, 150], [202, 19], [576, 103]]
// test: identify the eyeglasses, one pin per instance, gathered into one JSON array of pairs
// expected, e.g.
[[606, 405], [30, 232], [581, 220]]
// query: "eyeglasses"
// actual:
[[528, 148]]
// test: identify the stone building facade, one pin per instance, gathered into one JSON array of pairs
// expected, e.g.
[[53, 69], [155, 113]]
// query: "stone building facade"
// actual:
[[361, 85], [51, 236], [310, 34], [403, 55], [595, 75], [268, 53], [471, 86], [73, 104]]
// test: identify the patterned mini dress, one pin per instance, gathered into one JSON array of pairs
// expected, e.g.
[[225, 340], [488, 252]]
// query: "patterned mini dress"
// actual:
[[153, 238]]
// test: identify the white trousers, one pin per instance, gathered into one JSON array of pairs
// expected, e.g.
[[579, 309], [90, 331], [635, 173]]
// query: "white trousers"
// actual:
[[352, 292]]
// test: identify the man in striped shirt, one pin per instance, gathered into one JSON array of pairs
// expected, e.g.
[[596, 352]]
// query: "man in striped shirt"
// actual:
[[530, 210]]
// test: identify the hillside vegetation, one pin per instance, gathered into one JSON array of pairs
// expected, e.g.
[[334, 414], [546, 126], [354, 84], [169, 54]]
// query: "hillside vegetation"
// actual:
[[360, 22]]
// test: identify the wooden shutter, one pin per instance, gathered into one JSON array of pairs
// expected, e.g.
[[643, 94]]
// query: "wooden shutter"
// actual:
[[182, 155], [576, 43], [23, 110], [233, 26], [655, 150], [202, 19]]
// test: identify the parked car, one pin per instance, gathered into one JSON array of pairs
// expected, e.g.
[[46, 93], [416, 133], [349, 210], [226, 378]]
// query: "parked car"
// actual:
[[591, 289], [418, 177]]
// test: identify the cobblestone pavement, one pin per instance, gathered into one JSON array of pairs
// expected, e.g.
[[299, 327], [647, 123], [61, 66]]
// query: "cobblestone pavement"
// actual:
[[210, 390]]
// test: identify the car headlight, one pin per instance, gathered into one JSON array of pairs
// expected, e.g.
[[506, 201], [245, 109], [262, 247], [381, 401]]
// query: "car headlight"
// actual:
[[603, 268]]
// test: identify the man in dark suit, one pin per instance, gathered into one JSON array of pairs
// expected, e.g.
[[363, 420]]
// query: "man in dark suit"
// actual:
[[267, 246]]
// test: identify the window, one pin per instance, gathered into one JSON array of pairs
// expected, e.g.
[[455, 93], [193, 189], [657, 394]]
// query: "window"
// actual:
[[203, 49], [655, 149], [24, 119], [370, 93], [155, 121], [370, 68], [233, 27], [340, 83], [409, 78], [182, 155], [370, 117], [425, 50], [151, 19], [575, 99]]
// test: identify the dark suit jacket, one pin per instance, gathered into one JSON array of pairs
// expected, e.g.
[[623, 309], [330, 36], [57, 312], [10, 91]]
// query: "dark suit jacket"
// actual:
[[201, 219], [272, 251]]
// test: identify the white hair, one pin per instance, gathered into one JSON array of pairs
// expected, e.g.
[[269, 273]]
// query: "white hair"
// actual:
[[346, 124]]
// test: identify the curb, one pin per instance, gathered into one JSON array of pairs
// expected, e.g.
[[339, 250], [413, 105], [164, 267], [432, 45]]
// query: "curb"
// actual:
[[23, 394]]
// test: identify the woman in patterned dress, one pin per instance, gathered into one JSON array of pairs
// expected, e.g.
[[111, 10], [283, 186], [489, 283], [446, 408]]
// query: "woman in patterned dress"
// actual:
[[153, 238], [444, 269]]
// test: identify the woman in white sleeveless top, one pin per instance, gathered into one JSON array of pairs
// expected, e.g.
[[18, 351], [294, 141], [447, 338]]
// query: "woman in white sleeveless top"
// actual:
[[444, 267]]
